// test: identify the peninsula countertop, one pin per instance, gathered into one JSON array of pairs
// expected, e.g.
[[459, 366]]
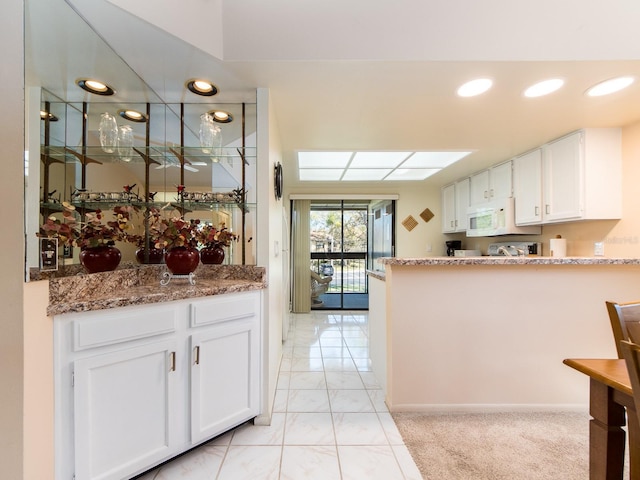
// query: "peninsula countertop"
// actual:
[[141, 285], [504, 260]]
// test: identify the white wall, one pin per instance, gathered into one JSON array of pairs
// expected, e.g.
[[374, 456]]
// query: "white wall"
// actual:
[[12, 256], [269, 247]]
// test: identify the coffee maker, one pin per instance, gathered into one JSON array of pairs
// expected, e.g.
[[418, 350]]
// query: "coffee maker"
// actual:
[[452, 246]]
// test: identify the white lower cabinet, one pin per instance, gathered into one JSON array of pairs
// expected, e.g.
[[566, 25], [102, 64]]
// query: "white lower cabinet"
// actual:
[[123, 405], [136, 386], [222, 392]]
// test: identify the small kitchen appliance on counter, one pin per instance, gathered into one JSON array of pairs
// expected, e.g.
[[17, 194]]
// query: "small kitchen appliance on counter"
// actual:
[[514, 249], [452, 246]]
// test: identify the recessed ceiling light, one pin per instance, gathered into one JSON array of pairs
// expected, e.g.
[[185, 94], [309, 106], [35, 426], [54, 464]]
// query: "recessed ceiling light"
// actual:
[[544, 88], [221, 116], [94, 86], [475, 87], [610, 86], [202, 87], [133, 115], [46, 115]]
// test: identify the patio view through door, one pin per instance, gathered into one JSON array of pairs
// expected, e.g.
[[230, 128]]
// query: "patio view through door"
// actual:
[[341, 236]]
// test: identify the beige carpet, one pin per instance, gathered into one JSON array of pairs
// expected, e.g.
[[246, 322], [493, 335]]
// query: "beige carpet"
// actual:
[[509, 446]]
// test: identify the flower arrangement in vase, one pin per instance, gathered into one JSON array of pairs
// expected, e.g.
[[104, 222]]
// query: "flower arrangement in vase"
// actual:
[[177, 237], [213, 239], [95, 236]]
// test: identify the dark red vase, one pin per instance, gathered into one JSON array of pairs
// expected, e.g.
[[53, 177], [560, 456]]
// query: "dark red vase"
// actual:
[[182, 260], [212, 255], [100, 259], [156, 255]]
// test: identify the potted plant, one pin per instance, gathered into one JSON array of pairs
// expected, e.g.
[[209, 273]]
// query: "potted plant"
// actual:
[[213, 239], [95, 236]]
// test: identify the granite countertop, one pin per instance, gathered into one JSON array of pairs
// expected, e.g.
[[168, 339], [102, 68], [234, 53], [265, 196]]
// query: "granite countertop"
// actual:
[[528, 260], [380, 275], [141, 285]]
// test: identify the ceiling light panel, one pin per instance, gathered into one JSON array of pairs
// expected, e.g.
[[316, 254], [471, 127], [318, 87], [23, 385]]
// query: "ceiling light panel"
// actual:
[[433, 159], [365, 175], [378, 159], [412, 173], [323, 159], [320, 174]]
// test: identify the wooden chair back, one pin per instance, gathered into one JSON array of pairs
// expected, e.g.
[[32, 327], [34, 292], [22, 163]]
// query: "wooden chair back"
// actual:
[[631, 354], [625, 322]]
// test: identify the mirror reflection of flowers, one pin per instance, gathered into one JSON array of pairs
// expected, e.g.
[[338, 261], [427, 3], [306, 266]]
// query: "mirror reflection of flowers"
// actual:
[[171, 230], [93, 232], [209, 235]]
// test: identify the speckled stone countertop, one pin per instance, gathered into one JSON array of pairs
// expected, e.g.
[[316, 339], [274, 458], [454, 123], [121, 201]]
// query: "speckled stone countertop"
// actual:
[[529, 260], [141, 285], [376, 274]]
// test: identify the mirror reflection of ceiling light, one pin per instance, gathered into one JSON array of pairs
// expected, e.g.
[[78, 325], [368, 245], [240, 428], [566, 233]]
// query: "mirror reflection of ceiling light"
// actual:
[[475, 87], [133, 115], [202, 87], [370, 166], [95, 86], [609, 86], [221, 116], [44, 115], [544, 88]]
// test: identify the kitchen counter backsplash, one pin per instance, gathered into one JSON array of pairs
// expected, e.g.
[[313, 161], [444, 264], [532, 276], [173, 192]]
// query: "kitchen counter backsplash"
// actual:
[[500, 260], [141, 285]]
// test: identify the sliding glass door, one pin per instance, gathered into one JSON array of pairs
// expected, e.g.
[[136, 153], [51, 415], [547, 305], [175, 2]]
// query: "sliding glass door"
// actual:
[[339, 254]]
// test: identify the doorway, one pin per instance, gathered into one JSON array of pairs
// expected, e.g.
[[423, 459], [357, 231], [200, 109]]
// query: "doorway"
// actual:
[[345, 237]]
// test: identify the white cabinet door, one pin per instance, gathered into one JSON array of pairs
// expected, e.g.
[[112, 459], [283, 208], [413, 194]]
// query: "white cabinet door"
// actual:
[[527, 187], [449, 209], [563, 178], [500, 181], [462, 204], [123, 410], [479, 188], [224, 377]]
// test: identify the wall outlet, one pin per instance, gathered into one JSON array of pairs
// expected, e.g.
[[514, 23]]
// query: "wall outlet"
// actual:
[[598, 249]]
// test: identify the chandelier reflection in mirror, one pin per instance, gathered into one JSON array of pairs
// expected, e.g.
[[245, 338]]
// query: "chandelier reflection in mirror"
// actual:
[[108, 132], [125, 143], [210, 137]]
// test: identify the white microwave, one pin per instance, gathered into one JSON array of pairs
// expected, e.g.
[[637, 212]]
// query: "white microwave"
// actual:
[[497, 217]]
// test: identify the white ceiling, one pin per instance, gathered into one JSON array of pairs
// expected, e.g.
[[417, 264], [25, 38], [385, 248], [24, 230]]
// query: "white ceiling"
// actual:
[[363, 74]]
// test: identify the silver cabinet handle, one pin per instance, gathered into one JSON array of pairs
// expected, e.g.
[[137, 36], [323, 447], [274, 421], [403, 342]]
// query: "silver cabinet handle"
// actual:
[[172, 362], [196, 355], [536, 210]]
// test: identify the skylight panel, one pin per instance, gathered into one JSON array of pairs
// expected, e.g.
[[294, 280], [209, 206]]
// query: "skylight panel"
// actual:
[[411, 173], [323, 159], [370, 175], [378, 159]]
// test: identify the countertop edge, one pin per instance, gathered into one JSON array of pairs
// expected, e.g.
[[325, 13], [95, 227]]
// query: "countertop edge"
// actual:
[[163, 294], [532, 260]]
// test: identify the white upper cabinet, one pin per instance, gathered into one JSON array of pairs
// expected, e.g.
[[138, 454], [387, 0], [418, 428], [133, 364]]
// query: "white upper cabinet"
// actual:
[[449, 208], [487, 185], [577, 177], [455, 202], [527, 187], [462, 204], [582, 176]]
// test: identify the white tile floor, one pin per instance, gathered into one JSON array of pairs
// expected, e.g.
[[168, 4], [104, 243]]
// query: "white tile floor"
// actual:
[[329, 422]]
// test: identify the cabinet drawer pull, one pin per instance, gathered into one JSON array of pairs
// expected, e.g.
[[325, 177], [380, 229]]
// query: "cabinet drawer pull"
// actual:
[[172, 361], [537, 210], [197, 355], [486, 194], [546, 209]]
